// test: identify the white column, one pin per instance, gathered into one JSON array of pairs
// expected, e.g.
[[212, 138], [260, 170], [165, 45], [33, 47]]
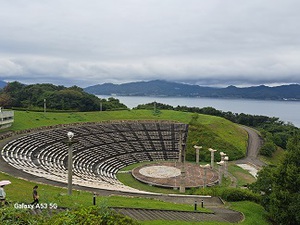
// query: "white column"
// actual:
[[182, 181], [226, 158], [197, 152], [221, 164], [222, 155], [212, 157], [205, 167]]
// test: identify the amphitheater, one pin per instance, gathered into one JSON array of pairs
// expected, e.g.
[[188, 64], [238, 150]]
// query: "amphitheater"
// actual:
[[102, 149]]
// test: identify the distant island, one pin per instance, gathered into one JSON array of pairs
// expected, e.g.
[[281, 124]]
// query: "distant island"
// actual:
[[172, 89]]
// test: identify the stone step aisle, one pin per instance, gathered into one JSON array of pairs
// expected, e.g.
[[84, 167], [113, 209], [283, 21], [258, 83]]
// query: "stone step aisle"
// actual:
[[154, 214]]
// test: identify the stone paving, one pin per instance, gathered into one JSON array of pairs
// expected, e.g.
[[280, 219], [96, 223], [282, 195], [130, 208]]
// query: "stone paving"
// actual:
[[168, 174]]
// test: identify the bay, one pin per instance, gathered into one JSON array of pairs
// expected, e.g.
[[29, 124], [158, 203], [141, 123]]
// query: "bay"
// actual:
[[287, 111]]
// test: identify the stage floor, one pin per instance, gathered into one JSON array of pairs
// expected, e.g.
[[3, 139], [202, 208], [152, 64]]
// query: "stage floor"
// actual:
[[168, 174]]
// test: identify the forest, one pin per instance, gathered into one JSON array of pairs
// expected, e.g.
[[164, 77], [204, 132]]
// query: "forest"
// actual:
[[19, 96]]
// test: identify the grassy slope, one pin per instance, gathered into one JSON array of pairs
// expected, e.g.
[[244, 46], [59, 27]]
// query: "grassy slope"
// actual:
[[243, 177], [276, 157], [20, 191]]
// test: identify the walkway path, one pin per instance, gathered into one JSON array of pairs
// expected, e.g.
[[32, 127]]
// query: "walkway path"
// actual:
[[221, 215], [254, 144]]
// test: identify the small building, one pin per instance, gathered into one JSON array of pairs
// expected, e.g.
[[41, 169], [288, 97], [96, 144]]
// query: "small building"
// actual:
[[6, 118]]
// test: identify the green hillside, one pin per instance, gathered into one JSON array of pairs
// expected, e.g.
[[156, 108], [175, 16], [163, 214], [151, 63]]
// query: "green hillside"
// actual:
[[208, 131]]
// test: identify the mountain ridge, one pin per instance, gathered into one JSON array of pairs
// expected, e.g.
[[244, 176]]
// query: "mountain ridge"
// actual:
[[162, 88]]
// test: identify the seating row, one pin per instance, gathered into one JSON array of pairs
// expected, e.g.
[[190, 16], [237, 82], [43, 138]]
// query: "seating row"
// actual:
[[99, 152]]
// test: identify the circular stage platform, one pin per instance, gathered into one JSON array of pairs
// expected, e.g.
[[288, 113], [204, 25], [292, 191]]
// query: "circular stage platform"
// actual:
[[168, 174]]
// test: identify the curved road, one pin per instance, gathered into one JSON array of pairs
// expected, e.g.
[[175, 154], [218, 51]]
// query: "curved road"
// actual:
[[254, 144]]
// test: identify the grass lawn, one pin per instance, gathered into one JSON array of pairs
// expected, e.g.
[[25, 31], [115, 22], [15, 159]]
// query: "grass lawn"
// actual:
[[275, 159], [20, 191], [129, 180], [243, 176]]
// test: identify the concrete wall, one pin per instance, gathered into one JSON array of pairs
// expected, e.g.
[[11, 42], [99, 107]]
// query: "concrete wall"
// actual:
[[6, 118]]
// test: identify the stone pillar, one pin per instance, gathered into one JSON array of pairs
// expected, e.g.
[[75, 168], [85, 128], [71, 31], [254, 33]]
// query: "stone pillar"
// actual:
[[182, 181], [221, 164], [205, 167], [222, 155], [181, 148], [226, 158], [212, 157], [197, 148]]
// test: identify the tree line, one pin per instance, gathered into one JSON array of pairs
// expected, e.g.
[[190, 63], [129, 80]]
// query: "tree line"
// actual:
[[32, 97]]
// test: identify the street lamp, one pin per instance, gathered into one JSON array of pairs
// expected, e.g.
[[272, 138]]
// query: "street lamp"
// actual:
[[70, 143], [226, 158]]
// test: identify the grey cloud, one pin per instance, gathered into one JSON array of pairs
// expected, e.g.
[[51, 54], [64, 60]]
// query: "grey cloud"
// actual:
[[208, 42]]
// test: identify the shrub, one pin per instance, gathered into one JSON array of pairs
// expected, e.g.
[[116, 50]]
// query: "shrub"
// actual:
[[92, 215], [268, 149], [236, 194], [228, 194]]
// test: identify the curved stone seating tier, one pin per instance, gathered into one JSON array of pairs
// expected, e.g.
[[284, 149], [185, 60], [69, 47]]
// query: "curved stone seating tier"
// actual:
[[100, 151]]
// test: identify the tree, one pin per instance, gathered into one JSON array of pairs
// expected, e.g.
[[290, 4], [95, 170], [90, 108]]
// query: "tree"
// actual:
[[268, 149], [280, 186], [5, 100]]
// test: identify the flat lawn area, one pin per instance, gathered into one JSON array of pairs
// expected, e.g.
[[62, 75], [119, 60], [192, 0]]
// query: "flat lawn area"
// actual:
[[129, 180]]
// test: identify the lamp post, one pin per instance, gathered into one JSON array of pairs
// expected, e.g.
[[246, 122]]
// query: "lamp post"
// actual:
[[226, 158], [70, 160], [45, 105]]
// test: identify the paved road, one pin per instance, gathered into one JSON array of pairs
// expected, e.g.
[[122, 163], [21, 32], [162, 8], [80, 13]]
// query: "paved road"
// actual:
[[254, 144]]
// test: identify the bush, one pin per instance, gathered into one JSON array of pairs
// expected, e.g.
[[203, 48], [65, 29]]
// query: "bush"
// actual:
[[268, 149], [82, 216], [236, 194], [228, 194]]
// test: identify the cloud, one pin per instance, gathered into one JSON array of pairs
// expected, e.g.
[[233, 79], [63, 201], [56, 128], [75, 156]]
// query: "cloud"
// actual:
[[206, 42]]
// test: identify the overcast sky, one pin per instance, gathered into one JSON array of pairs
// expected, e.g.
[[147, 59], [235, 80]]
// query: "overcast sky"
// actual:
[[205, 42]]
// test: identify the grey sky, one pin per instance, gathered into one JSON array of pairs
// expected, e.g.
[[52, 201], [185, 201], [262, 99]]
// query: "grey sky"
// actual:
[[86, 42]]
